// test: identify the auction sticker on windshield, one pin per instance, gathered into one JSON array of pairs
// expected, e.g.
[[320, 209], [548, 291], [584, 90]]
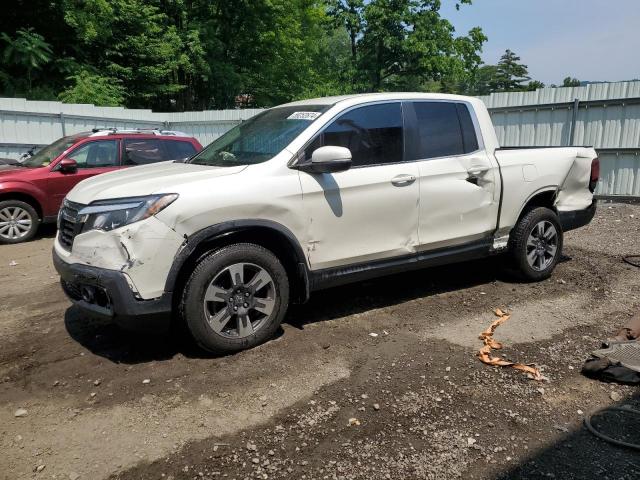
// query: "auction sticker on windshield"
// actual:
[[303, 116]]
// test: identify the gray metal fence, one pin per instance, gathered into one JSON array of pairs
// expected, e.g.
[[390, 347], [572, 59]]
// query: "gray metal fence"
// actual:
[[25, 123], [605, 115]]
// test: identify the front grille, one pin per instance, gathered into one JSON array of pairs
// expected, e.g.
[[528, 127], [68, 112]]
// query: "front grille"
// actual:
[[69, 225]]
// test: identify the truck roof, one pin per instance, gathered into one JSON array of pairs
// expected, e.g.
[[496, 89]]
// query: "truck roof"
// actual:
[[367, 97]]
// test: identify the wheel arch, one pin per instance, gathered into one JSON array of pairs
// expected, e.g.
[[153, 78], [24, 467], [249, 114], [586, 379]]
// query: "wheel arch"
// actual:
[[26, 198], [544, 197], [270, 235]]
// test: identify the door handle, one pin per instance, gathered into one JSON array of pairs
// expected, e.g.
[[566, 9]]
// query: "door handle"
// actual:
[[403, 180], [477, 171]]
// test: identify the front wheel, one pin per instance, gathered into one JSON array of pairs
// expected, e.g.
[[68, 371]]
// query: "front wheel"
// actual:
[[18, 221], [235, 298], [535, 244]]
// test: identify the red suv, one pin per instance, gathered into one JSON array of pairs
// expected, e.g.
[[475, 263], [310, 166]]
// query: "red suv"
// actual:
[[31, 191]]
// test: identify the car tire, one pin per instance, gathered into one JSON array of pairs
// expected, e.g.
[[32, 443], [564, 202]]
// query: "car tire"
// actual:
[[535, 244], [235, 298], [19, 221]]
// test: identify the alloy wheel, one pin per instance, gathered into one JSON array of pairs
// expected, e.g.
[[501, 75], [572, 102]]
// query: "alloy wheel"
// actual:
[[15, 223], [239, 299], [542, 245]]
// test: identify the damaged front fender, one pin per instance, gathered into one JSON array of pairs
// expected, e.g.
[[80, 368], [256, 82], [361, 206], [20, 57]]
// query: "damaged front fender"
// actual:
[[144, 251]]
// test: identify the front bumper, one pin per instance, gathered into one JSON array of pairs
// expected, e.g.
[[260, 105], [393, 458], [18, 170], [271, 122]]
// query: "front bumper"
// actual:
[[106, 293], [573, 219]]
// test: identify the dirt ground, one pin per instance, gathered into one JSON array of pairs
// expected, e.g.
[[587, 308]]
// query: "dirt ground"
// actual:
[[326, 399]]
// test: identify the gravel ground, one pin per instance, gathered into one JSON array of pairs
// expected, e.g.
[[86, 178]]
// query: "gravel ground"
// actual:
[[326, 399]]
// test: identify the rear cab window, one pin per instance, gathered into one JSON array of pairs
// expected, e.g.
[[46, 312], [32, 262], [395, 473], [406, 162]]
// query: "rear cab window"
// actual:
[[440, 129]]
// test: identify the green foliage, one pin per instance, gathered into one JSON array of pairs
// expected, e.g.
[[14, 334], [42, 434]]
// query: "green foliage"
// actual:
[[88, 87], [571, 82], [130, 40], [507, 76], [27, 50], [534, 85], [511, 75], [405, 45], [203, 54]]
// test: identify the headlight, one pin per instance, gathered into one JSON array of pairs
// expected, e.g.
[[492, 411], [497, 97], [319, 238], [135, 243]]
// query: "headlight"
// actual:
[[111, 214]]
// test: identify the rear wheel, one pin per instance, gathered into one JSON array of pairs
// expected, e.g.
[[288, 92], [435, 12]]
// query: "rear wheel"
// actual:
[[235, 298], [18, 221], [535, 244]]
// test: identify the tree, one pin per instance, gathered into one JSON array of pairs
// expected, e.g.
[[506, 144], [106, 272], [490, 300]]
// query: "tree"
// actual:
[[132, 41], [571, 82], [350, 14], [92, 88], [206, 54], [405, 44], [510, 74], [534, 85], [483, 81], [28, 50]]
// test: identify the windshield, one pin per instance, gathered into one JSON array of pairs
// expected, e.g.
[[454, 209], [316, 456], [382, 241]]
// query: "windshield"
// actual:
[[49, 153], [261, 138]]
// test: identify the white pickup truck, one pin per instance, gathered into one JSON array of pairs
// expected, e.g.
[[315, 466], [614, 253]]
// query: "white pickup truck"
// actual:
[[310, 195]]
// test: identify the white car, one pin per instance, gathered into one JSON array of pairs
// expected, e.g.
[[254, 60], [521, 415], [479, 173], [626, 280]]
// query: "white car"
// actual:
[[310, 195]]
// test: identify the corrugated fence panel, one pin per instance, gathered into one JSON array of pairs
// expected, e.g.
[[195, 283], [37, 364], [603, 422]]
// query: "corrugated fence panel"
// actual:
[[619, 174], [25, 123], [608, 117]]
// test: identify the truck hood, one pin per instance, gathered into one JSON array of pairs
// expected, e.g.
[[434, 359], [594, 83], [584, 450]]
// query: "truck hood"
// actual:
[[165, 177]]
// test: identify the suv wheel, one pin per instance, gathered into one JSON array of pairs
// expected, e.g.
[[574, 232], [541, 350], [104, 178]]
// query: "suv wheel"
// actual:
[[235, 298], [535, 244], [18, 221]]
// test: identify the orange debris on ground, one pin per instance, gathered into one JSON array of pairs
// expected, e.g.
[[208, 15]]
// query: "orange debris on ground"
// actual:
[[491, 344]]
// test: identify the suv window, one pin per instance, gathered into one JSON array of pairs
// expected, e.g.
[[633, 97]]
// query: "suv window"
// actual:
[[96, 154], [143, 151], [373, 134], [179, 150]]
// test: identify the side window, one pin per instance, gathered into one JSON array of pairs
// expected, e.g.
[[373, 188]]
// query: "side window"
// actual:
[[439, 132], [142, 151], [372, 133], [178, 150], [98, 154], [469, 138]]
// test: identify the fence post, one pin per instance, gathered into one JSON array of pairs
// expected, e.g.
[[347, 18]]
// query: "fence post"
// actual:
[[64, 129], [574, 119]]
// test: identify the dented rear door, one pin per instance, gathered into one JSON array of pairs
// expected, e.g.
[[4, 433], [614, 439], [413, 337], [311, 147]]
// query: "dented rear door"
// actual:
[[459, 183]]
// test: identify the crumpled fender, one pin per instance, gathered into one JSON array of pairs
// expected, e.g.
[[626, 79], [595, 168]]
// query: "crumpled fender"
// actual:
[[144, 251]]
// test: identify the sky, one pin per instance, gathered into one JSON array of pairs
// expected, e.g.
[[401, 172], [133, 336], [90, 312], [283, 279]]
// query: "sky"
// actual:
[[591, 40]]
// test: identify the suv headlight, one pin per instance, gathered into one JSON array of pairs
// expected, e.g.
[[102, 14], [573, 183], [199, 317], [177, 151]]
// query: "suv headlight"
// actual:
[[115, 213]]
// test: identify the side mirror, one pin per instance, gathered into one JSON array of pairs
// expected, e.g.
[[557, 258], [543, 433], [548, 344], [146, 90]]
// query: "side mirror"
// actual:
[[68, 165], [328, 160]]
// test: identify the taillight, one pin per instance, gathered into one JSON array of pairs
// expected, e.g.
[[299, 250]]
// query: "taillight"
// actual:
[[595, 174]]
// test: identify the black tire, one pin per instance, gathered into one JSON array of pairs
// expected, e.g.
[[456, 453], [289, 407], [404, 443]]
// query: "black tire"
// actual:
[[198, 314], [519, 250], [31, 214]]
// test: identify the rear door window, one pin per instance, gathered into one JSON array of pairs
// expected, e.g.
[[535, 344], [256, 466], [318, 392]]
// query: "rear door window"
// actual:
[[178, 150], [143, 151], [438, 131]]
